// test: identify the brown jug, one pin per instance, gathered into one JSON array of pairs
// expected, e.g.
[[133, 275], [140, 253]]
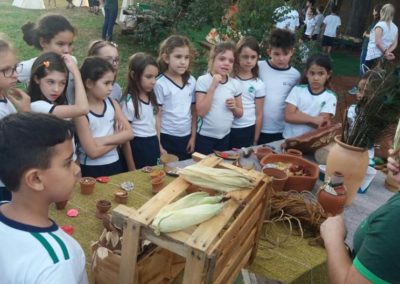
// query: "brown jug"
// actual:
[[333, 204]]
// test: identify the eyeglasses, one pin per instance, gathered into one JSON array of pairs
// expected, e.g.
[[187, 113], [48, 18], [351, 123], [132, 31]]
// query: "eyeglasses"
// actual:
[[9, 71]]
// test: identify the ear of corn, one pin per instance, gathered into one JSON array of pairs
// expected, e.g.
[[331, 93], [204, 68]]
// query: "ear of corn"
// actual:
[[190, 210], [218, 179], [176, 220]]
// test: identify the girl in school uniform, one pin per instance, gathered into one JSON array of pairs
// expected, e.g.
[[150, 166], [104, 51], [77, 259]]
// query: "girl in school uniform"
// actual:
[[52, 32], [245, 131], [312, 104], [48, 84], [9, 102], [108, 50], [139, 104], [104, 127], [175, 91], [218, 100]]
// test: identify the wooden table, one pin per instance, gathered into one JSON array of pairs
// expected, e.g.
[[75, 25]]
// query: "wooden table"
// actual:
[[293, 262]]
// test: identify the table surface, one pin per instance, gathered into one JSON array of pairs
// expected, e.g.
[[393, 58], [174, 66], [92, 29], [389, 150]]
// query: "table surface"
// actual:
[[294, 261]]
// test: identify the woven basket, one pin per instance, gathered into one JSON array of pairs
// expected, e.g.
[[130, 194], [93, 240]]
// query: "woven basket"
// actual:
[[298, 183]]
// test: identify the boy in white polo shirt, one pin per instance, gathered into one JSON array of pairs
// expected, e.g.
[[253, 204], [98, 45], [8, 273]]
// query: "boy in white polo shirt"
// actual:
[[331, 22], [279, 78], [38, 167]]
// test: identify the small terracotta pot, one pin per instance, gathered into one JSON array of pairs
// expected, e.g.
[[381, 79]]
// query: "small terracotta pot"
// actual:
[[157, 185], [121, 196], [61, 204], [294, 152], [156, 174], [262, 152], [87, 185], [167, 159], [279, 178], [102, 208], [332, 204]]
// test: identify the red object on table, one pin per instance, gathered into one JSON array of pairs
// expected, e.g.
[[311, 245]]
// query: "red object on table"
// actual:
[[68, 229], [72, 212], [103, 179]]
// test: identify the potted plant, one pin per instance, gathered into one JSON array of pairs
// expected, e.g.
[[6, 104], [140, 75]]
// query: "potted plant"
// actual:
[[377, 110]]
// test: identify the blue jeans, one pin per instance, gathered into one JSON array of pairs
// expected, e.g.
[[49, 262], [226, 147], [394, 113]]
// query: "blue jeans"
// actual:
[[109, 21]]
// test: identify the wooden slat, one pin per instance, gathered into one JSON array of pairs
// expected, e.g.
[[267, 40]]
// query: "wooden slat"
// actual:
[[120, 214], [129, 253], [227, 251], [164, 242], [243, 263], [194, 268], [241, 219], [206, 232], [242, 257]]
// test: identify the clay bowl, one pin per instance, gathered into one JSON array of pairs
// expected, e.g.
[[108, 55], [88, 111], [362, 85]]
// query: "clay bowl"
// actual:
[[87, 185], [263, 151], [61, 204], [121, 196], [102, 207], [157, 174], [279, 178]]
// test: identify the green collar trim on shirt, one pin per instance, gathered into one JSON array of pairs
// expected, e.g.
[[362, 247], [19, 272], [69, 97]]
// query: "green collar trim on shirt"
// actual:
[[366, 273], [62, 245], [47, 246]]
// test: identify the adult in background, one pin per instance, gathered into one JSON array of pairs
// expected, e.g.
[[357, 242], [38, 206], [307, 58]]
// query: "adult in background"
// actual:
[[110, 15], [376, 247], [376, 15], [383, 38]]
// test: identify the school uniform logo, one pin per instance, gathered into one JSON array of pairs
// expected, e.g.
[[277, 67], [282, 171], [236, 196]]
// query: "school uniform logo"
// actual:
[[251, 90]]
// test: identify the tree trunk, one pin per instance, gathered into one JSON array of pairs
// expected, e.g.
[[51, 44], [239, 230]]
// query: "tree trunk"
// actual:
[[359, 11]]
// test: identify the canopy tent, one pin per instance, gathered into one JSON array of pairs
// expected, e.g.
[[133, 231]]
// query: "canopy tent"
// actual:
[[29, 4], [81, 3]]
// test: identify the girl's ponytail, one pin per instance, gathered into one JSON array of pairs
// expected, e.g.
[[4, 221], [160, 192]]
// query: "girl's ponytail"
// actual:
[[30, 35]]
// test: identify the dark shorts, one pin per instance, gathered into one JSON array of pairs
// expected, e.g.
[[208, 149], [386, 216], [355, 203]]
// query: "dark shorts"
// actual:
[[145, 151], [269, 137], [205, 145], [176, 145], [371, 64], [328, 41], [5, 194], [102, 170], [242, 137]]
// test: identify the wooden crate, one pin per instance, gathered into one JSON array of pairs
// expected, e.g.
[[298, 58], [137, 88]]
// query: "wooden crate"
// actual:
[[215, 250]]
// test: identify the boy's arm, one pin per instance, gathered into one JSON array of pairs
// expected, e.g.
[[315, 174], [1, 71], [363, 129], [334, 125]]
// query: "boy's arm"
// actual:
[[295, 116], [259, 119]]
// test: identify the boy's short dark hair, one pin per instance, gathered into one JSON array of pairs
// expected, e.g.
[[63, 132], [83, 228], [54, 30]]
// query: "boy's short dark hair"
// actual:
[[280, 38], [334, 9], [27, 141]]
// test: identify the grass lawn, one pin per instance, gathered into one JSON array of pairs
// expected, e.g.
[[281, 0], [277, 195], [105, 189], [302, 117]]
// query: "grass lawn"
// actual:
[[89, 28]]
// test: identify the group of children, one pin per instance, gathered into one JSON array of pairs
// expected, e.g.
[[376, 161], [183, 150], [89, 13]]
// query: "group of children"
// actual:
[[241, 101]]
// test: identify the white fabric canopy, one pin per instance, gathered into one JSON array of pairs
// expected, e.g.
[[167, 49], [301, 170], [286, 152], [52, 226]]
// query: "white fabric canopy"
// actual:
[[29, 4], [81, 3]]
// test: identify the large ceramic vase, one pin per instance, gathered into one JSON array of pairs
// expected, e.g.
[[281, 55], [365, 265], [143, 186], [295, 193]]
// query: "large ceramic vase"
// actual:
[[352, 162]]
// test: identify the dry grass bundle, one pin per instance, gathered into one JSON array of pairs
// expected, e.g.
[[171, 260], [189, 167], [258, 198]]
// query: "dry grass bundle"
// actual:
[[298, 212]]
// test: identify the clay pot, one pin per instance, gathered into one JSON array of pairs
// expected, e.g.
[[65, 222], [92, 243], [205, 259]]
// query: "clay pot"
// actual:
[[294, 152], [157, 185], [61, 204], [352, 162], [87, 185], [157, 174], [263, 151], [121, 196], [166, 160], [390, 183], [279, 178], [102, 208], [332, 204]]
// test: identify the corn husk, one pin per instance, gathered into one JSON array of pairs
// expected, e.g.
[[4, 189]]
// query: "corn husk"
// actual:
[[223, 180]]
